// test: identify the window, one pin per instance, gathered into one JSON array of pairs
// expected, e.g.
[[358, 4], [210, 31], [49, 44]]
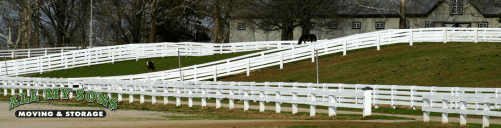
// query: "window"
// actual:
[[356, 25], [241, 26], [429, 24], [380, 25], [407, 24], [483, 25], [332, 25], [456, 7]]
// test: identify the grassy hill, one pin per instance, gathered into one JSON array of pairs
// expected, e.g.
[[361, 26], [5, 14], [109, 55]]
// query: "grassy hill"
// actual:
[[136, 67], [424, 64]]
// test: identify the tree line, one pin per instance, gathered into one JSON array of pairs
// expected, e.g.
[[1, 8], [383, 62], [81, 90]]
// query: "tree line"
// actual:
[[57, 23]]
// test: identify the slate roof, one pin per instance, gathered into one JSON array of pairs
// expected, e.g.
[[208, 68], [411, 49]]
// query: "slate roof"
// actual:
[[416, 8]]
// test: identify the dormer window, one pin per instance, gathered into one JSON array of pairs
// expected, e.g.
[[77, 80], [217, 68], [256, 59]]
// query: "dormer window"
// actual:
[[456, 7], [380, 25], [356, 25], [241, 26]]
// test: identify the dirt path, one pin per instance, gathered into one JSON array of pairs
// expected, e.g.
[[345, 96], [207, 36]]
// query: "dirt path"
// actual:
[[289, 109]]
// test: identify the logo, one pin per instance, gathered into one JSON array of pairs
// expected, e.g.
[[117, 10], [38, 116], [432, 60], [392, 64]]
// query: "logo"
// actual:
[[54, 94]]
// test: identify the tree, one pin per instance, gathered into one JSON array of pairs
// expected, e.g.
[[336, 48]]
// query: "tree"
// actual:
[[285, 15]]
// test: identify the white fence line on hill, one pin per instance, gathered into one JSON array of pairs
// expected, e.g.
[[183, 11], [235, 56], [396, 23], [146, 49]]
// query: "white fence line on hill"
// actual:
[[111, 54], [34, 52], [393, 95], [277, 94], [463, 110], [213, 70]]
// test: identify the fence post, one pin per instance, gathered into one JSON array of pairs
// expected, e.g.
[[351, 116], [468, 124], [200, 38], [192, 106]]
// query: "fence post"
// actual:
[[109, 88], [231, 100], [332, 109], [445, 116], [261, 102], [426, 114], [141, 97], [246, 100], [228, 66], [29, 53], [218, 100], [65, 62], [46, 52], [376, 106], [190, 99], [486, 119], [312, 53], [413, 106], [248, 67], [278, 107], [166, 98], [88, 58], [215, 73], [204, 99], [496, 105], [195, 73], [345, 47], [378, 42], [445, 35], [262, 59], [411, 40], [462, 117], [233, 48], [294, 105], [367, 101], [221, 49], [120, 94], [281, 60], [313, 107], [392, 97], [178, 98], [131, 96], [476, 37], [153, 97], [13, 54]]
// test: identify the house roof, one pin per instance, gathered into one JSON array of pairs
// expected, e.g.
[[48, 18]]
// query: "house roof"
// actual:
[[416, 8], [488, 8]]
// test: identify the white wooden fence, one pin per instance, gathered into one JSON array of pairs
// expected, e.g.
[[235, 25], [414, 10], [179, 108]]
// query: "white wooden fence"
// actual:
[[445, 109], [278, 94], [245, 64], [111, 54], [33, 52]]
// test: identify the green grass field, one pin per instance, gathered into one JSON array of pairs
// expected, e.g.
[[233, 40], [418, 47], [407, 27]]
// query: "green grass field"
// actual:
[[136, 67], [425, 64]]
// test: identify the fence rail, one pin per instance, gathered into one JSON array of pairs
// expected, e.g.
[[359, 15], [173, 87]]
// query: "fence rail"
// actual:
[[245, 64], [277, 94], [111, 54], [463, 110], [33, 52]]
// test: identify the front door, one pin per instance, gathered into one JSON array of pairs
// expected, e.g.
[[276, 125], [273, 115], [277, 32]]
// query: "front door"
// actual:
[[457, 25]]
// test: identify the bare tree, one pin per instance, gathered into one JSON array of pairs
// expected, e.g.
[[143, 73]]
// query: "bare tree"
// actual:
[[285, 15]]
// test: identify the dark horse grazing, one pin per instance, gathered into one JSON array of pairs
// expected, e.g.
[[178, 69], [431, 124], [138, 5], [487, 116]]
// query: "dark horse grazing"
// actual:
[[150, 65], [311, 38]]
